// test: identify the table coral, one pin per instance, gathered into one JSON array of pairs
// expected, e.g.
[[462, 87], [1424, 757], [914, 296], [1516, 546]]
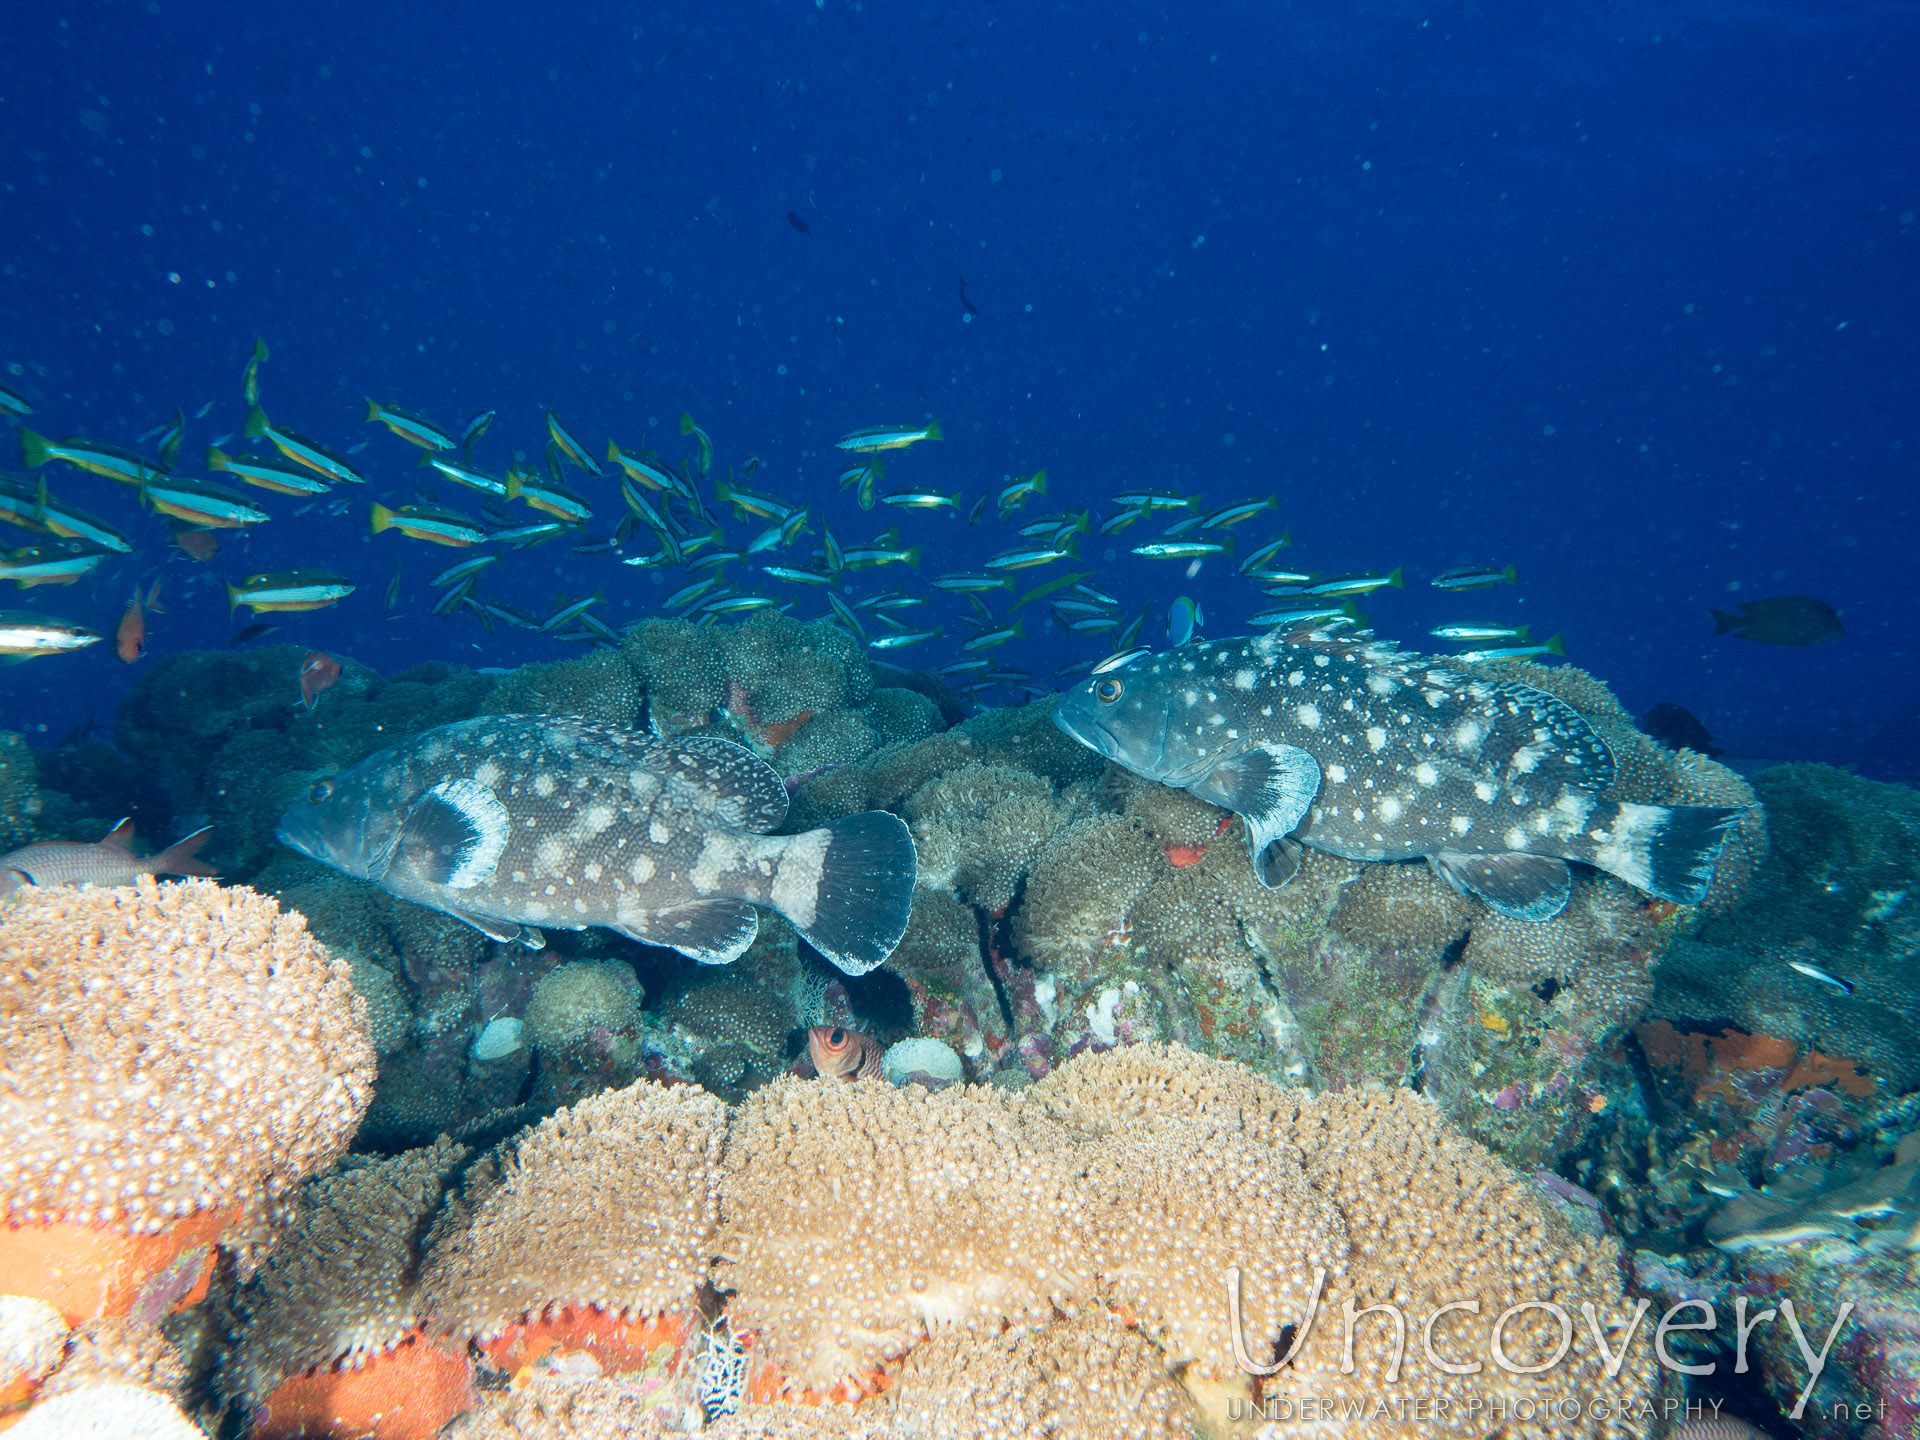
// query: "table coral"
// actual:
[[611, 1203], [225, 1057]]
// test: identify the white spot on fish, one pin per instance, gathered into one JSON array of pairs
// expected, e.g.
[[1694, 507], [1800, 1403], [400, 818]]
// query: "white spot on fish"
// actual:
[[592, 870], [1461, 824], [659, 833], [1309, 716], [1516, 838], [1243, 680], [1298, 677], [488, 774], [796, 886], [552, 854], [1467, 736], [1337, 774], [543, 784], [1376, 738], [641, 869], [1426, 774], [1486, 790], [1391, 809]]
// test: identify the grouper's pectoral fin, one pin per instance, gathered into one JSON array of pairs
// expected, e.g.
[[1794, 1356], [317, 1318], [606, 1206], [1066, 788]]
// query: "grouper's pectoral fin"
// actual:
[[1270, 787], [1527, 887], [504, 931], [714, 932]]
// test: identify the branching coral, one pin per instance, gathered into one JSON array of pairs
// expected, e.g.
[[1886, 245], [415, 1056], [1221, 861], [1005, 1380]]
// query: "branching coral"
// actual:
[[610, 1203]]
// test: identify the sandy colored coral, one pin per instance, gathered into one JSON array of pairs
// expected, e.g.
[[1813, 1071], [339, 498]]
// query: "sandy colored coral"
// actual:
[[1431, 1217], [610, 1203], [1084, 1378], [976, 829], [33, 1336], [174, 1048], [579, 995], [733, 1010], [107, 1412], [1403, 907], [1082, 887], [340, 1281], [616, 1409], [600, 686], [858, 1215]]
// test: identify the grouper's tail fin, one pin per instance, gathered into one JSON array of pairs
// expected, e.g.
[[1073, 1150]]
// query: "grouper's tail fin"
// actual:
[[1667, 851], [848, 888]]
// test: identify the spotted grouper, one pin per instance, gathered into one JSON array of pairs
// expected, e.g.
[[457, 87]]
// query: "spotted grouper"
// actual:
[[1343, 743], [514, 822]]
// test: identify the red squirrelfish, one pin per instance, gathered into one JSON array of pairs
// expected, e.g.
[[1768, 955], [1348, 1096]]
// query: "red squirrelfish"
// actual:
[[842, 1054], [317, 672], [111, 862]]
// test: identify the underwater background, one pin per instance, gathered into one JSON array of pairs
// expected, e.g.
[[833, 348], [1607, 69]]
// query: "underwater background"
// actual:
[[1586, 325]]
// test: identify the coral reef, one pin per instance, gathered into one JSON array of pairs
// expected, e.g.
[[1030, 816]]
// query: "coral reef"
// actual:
[[341, 1281], [1132, 1183], [600, 686], [611, 1203], [20, 805], [218, 1045], [1841, 894]]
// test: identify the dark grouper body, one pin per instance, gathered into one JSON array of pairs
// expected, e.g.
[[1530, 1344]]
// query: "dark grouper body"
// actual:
[[513, 821], [1347, 745]]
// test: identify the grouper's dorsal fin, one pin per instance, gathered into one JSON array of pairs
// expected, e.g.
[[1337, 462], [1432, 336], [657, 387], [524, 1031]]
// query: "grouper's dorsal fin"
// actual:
[[726, 782]]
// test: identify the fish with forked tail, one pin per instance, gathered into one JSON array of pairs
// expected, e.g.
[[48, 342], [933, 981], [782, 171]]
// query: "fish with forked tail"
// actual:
[[110, 862], [1347, 745], [513, 822]]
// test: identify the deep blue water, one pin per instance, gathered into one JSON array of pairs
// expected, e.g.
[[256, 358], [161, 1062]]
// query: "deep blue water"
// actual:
[[1623, 295]]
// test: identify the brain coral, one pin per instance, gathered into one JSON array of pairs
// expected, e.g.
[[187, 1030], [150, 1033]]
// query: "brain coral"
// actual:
[[610, 1203], [340, 1281], [172, 1048]]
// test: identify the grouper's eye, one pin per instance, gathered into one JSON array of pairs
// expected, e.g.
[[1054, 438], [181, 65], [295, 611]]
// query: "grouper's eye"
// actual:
[[1109, 690], [319, 792]]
